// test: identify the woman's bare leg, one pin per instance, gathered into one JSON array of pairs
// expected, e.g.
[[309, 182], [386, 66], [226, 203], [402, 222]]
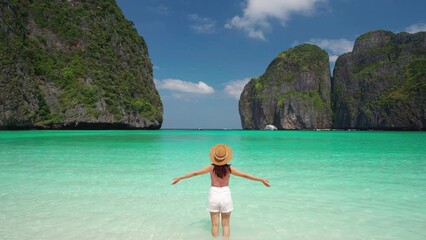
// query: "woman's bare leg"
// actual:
[[226, 218], [215, 223]]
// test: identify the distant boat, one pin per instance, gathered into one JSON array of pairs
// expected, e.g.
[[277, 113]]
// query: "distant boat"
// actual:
[[270, 127]]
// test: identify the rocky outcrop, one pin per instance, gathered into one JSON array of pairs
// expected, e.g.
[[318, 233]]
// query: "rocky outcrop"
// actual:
[[74, 65], [293, 93], [381, 84]]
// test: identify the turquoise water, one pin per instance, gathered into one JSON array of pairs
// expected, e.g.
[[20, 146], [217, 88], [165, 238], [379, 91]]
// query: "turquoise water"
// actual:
[[116, 185]]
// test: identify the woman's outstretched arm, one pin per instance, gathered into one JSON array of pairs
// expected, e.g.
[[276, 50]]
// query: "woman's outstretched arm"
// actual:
[[201, 171], [239, 173]]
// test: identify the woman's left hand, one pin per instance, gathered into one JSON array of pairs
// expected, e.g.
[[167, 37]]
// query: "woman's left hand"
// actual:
[[266, 182]]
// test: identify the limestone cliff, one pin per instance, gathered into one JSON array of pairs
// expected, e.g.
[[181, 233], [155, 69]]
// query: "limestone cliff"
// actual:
[[74, 64], [293, 93], [381, 84]]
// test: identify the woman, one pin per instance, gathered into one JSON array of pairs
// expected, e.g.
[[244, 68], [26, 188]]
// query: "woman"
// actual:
[[220, 200]]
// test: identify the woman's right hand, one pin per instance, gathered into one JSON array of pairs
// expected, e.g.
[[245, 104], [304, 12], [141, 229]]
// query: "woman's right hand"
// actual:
[[176, 180]]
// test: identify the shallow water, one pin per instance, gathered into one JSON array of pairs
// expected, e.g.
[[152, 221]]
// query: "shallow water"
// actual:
[[116, 185]]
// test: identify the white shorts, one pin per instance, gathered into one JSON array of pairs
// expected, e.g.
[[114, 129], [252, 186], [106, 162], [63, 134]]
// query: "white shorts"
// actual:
[[220, 200]]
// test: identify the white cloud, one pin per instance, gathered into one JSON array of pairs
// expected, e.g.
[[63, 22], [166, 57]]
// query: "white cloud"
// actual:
[[258, 13], [421, 27], [183, 86], [234, 88], [160, 9], [333, 58], [202, 24], [334, 47]]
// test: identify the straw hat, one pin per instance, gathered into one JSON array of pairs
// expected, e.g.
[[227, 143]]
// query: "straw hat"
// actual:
[[220, 154]]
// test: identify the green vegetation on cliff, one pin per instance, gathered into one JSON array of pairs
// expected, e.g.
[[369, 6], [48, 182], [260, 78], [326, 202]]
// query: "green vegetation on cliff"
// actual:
[[290, 64], [293, 93], [382, 83], [74, 61], [306, 57], [309, 98], [302, 58]]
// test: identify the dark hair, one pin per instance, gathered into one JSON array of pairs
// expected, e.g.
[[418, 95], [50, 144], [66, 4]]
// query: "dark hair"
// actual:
[[222, 170]]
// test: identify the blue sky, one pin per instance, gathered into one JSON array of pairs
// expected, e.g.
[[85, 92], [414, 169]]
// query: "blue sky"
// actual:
[[205, 51]]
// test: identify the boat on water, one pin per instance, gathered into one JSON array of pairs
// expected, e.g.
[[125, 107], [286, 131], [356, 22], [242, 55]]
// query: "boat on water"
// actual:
[[270, 127]]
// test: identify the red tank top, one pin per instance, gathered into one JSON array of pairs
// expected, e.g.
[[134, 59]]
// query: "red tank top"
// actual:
[[217, 181]]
